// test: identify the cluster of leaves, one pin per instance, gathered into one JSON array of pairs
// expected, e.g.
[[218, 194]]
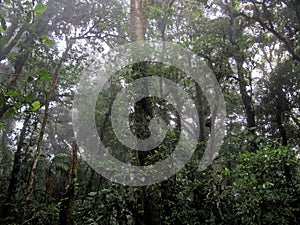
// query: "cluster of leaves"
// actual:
[[257, 188], [263, 188]]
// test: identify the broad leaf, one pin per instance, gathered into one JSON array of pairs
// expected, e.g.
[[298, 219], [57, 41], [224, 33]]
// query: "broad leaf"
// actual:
[[35, 106], [40, 9]]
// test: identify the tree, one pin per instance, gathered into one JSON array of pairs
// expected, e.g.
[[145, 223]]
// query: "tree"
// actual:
[[252, 47]]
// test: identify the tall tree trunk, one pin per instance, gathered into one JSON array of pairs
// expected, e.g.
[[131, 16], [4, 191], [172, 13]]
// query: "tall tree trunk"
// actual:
[[137, 20], [279, 111], [137, 34], [149, 213], [246, 98], [66, 214], [235, 33], [146, 199]]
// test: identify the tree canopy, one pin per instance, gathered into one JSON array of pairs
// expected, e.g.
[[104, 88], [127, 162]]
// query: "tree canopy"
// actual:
[[252, 48]]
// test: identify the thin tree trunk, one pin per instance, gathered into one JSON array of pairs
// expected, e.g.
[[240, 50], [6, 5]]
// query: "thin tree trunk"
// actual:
[[280, 107], [199, 106], [247, 102], [246, 98], [66, 214], [5, 167], [12, 187], [235, 33], [284, 139], [42, 131]]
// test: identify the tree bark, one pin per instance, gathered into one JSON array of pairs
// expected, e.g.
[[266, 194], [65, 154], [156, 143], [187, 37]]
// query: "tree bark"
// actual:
[[12, 187], [199, 106], [246, 98], [137, 21], [66, 214], [146, 199], [5, 167], [282, 132], [235, 33]]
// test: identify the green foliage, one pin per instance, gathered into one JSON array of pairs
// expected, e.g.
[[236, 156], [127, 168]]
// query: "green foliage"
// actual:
[[264, 186], [47, 41], [40, 9], [44, 75], [244, 185], [35, 106]]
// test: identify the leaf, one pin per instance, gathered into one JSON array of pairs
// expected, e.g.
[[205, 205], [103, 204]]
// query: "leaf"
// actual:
[[55, 209], [3, 23], [13, 94], [40, 9], [92, 194], [227, 171], [253, 178], [2, 100], [44, 75], [11, 111], [28, 98], [47, 41], [2, 126], [3, 41], [35, 106]]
